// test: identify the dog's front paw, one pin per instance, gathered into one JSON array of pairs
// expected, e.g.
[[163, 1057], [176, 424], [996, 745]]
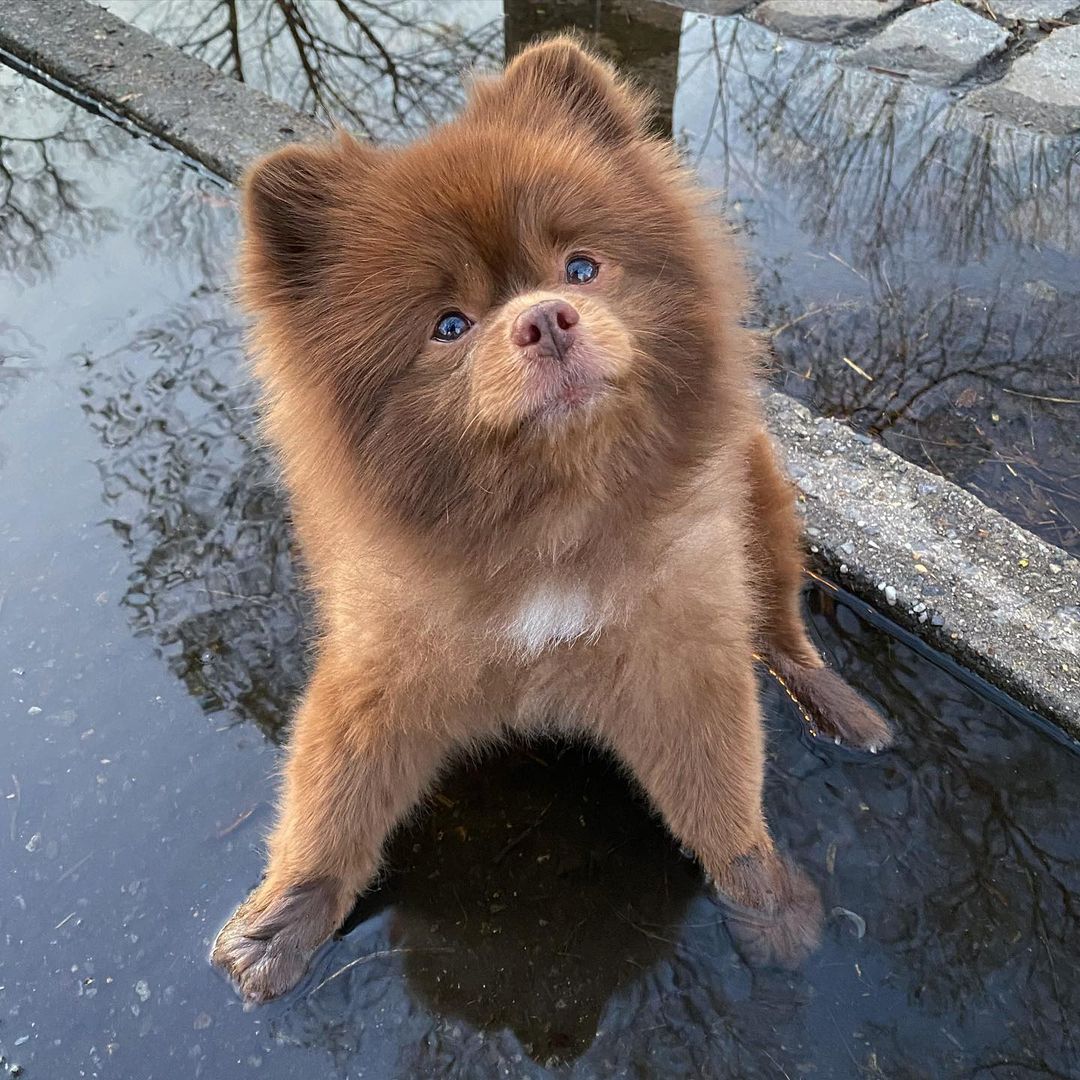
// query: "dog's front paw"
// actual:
[[772, 909], [266, 946]]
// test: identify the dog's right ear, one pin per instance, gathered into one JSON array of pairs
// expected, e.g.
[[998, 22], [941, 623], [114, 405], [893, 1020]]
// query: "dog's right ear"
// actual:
[[556, 82], [290, 201]]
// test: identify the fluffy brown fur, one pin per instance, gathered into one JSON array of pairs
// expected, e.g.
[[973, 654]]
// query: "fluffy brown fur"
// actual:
[[576, 525]]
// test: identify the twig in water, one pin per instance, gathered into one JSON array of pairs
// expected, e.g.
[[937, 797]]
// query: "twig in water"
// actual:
[[236, 824], [371, 956], [1043, 397], [15, 808], [521, 835], [855, 367], [71, 869]]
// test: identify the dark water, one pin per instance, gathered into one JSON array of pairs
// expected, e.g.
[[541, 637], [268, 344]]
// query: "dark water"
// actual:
[[918, 263], [537, 921]]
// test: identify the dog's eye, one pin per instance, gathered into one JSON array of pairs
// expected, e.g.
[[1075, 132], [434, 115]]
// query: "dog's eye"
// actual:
[[451, 326], [581, 270]]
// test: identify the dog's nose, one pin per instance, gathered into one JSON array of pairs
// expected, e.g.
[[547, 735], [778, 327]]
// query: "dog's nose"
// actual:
[[547, 326]]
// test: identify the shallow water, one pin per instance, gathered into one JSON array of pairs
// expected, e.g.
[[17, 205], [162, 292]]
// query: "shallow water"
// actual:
[[917, 263], [537, 921]]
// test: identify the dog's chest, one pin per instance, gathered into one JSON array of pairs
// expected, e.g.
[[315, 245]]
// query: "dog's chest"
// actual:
[[551, 614]]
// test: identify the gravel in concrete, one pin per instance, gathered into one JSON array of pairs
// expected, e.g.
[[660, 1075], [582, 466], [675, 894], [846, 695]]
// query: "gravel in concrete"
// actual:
[[214, 119], [942, 42], [1042, 88], [1004, 603], [824, 20], [1032, 10]]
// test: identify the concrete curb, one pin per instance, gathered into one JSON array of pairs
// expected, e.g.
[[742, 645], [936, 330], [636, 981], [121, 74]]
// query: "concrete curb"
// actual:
[[214, 119], [927, 553], [938, 561]]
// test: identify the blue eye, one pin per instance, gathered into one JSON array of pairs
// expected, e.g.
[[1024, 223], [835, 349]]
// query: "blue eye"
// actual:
[[581, 270], [451, 326]]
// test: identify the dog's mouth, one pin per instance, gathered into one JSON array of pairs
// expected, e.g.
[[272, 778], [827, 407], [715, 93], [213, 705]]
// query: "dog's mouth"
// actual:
[[573, 397], [574, 387]]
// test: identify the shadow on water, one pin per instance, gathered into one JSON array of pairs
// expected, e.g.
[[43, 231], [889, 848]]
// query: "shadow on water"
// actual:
[[536, 920], [917, 262]]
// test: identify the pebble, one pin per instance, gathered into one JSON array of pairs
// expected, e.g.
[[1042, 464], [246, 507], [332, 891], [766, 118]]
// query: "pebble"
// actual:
[[890, 595]]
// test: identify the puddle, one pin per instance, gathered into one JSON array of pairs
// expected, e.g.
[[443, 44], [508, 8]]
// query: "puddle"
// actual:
[[917, 262], [537, 921]]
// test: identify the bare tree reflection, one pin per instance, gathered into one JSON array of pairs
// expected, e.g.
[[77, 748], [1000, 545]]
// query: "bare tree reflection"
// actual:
[[387, 68], [57, 197], [905, 274], [193, 499], [47, 165]]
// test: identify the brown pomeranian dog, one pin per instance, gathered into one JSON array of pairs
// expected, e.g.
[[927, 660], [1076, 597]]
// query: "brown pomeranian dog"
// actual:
[[518, 419]]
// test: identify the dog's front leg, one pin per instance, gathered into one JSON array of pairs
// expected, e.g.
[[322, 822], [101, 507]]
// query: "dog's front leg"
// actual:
[[355, 767], [691, 732]]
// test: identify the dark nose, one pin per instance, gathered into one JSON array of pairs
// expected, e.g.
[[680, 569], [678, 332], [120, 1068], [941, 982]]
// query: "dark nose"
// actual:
[[547, 326]]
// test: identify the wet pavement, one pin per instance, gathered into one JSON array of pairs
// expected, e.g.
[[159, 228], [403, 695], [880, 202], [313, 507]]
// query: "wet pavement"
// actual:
[[917, 259], [537, 920]]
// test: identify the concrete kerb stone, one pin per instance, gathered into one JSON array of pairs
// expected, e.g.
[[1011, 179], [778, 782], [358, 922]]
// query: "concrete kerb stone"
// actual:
[[1033, 11], [824, 20], [214, 119], [716, 7], [1041, 87], [937, 560], [943, 42], [927, 553]]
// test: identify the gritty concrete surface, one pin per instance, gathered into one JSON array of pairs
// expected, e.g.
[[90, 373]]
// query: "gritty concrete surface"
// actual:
[[927, 553], [943, 42], [1032, 10], [824, 20], [213, 119], [1042, 88], [1004, 603]]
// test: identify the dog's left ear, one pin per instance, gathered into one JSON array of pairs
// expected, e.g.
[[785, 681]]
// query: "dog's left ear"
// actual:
[[558, 81]]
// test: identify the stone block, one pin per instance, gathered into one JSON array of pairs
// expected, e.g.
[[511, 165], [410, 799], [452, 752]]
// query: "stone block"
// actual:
[[1042, 88], [942, 42], [824, 20]]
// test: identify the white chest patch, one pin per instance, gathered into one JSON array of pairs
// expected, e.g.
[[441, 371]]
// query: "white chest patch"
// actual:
[[550, 616]]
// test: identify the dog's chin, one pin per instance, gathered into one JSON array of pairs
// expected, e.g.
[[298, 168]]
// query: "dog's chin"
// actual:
[[574, 401]]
